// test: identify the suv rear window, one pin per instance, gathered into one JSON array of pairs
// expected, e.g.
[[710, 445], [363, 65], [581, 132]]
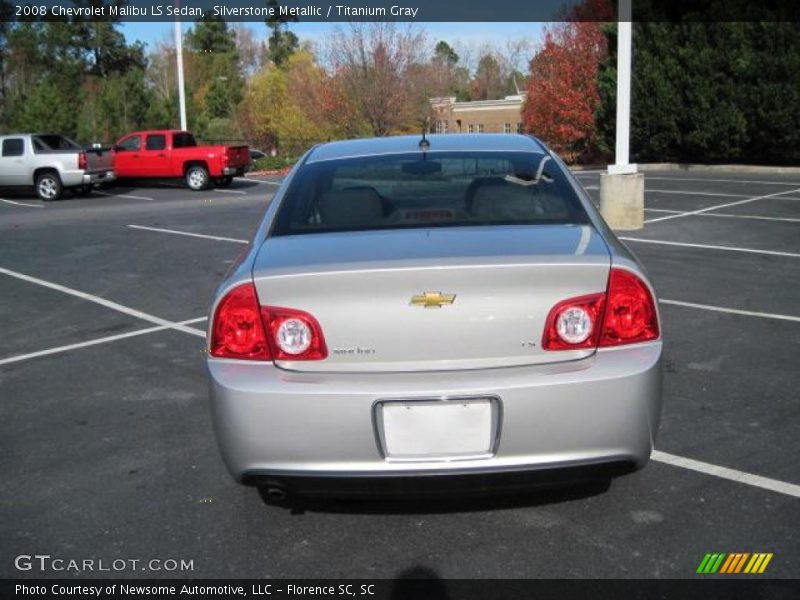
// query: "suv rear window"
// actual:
[[433, 189], [13, 147]]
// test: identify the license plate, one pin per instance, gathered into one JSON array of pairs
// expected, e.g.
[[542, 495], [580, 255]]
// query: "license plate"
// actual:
[[430, 429]]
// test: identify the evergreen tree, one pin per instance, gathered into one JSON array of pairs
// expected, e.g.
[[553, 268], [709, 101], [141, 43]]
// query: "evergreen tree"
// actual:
[[282, 43]]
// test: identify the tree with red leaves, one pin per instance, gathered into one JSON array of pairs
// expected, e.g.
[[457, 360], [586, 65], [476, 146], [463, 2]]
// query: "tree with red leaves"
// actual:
[[562, 85]]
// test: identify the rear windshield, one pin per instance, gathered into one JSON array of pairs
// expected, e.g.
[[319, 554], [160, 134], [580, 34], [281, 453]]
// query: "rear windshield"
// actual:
[[433, 189]]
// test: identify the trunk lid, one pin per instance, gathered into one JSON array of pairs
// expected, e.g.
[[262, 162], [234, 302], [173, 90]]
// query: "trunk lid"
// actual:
[[367, 290]]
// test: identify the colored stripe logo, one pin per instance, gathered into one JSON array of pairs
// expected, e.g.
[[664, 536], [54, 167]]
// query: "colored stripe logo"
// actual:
[[735, 562]]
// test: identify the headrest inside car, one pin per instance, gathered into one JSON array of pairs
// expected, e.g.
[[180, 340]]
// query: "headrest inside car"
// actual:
[[351, 207]]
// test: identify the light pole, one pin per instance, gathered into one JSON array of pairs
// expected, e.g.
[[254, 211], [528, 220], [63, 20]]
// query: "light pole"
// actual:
[[622, 187], [179, 59]]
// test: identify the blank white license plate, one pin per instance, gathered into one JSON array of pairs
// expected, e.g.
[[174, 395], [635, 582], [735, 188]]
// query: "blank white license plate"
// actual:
[[451, 428]]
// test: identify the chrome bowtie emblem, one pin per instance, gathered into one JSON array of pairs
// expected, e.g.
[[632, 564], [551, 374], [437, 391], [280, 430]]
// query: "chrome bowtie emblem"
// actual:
[[432, 299]]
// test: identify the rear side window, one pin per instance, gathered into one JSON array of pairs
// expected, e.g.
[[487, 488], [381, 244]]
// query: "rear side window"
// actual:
[[156, 142], [433, 189], [13, 147], [54, 142], [132, 143], [183, 140]]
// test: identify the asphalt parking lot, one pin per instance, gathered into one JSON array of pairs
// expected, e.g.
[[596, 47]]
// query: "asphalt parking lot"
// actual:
[[108, 450]]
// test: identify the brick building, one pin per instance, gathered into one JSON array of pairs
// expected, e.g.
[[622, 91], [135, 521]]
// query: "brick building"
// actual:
[[480, 116]]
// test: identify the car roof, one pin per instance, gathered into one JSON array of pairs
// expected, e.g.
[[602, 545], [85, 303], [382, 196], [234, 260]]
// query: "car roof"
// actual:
[[446, 142]]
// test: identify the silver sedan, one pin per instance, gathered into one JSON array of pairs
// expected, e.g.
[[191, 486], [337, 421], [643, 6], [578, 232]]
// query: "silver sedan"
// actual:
[[430, 313]]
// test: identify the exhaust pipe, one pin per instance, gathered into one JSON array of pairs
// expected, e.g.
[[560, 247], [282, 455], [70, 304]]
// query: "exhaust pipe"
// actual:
[[275, 494]]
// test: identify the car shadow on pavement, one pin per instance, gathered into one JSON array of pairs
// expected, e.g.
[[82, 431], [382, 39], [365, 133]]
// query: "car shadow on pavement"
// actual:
[[236, 184], [419, 582], [441, 503]]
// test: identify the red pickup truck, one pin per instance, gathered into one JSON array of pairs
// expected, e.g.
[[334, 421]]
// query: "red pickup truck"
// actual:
[[174, 153]]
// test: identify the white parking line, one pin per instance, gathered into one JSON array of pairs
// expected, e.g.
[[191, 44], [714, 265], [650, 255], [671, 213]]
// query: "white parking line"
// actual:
[[791, 183], [693, 193], [732, 311], [229, 191], [710, 247], [765, 483], [103, 340], [124, 196], [103, 302], [267, 181], [727, 215], [715, 207], [684, 192], [190, 234], [22, 203]]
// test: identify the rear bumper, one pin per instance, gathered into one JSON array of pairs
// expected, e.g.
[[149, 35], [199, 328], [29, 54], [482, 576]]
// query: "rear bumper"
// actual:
[[235, 171], [84, 178], [435, 484], [275, 424]]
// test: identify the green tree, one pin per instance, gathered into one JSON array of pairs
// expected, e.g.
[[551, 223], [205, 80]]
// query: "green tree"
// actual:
[[214, 73], [281, 43], [709, 92], [211, 35], [47, 108], [444, 52], [488, 83]]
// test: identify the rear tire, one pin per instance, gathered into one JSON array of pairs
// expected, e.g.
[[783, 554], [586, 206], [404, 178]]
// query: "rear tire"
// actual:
[[48, 186], [224, 181], [197, 178]]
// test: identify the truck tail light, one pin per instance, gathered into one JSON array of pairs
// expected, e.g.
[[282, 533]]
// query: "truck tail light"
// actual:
[[242, 329], [82, 161], [626, 314]]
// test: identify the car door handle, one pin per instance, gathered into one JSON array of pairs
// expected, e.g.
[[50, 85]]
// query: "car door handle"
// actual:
[[161, 155], [135, 156]]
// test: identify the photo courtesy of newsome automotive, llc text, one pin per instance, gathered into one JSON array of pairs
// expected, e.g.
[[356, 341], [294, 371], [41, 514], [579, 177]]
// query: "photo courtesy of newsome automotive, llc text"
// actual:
[[400, 300]]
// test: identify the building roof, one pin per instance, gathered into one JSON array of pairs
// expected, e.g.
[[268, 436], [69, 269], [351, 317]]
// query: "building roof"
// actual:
[[451, 102], [450, 142]]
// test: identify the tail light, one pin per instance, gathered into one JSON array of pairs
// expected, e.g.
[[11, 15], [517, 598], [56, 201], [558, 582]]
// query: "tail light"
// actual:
[[237, 331], [293, 334], [574, 323], [631, 315], [242, 329], [626, 314], [82, 161]]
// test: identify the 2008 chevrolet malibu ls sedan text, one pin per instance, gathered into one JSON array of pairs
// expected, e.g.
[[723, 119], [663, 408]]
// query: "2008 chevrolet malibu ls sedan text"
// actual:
[[432, 313]]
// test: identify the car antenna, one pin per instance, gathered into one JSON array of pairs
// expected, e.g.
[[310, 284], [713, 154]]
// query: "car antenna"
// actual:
[[424, 144]]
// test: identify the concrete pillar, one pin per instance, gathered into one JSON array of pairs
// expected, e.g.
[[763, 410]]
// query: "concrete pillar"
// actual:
[[622, 188], [622, 200]]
